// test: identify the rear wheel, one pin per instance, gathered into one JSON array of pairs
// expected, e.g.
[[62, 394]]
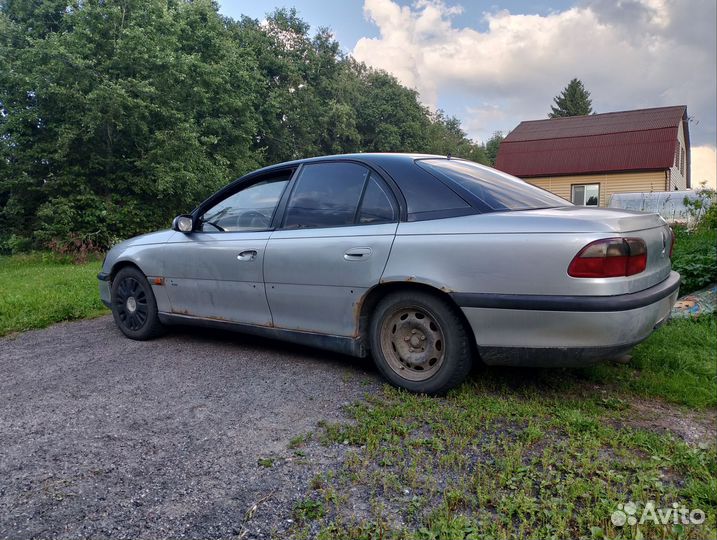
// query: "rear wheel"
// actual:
[[419, 342], [134, 307]]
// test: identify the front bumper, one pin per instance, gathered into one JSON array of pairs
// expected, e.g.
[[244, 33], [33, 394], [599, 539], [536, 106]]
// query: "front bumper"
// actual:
[[564, 330], [105, 292]]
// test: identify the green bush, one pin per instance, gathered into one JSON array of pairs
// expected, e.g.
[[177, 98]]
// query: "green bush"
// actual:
[[695, 257], [709, 219], [15, 244], [81, 224]]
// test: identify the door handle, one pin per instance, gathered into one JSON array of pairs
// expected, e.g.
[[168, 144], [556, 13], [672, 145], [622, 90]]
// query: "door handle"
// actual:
[[358, 254], [248, 255]]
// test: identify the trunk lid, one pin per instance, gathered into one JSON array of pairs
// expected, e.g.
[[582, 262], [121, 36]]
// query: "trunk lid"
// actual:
[[651, 228], [574, 224], [581, 219]]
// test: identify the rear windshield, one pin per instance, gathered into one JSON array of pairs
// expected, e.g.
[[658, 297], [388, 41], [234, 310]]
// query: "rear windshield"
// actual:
[[491, 190]]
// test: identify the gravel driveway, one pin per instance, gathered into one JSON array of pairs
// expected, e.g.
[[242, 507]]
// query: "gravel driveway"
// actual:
[[103, 437]]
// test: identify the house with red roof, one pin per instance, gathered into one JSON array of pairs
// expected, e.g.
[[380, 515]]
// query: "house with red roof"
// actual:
[[586, 159]]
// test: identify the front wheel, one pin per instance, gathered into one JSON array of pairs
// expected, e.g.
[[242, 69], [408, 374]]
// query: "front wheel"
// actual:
[[134, 307], [419, 342]]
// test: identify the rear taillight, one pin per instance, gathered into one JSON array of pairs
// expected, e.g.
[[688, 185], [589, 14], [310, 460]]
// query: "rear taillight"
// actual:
[[611, 257]]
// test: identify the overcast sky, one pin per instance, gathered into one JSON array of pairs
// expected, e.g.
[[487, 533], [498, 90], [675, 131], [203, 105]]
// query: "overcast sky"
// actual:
[[495, 63]]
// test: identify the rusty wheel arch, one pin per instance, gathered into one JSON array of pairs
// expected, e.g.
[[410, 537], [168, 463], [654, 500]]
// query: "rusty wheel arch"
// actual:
[[365, 307], [119, 265]]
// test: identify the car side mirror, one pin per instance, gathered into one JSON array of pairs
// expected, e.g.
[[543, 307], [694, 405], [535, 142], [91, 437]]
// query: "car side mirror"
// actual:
[[183, 224]]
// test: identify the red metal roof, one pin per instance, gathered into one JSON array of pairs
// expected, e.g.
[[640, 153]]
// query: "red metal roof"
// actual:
[[619, 141]]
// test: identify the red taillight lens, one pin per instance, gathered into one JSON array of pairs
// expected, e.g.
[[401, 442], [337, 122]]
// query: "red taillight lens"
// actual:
[[611, 257], [637, 260]]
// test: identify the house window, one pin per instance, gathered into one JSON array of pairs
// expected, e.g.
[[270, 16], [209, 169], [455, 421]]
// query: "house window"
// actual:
[[682, 161], [586, 194]]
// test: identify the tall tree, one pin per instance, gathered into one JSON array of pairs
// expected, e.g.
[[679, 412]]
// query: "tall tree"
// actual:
[[574, 100], [116, 115], [492, 146]]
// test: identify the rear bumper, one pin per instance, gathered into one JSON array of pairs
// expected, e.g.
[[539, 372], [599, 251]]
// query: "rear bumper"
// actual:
[[564, 330]]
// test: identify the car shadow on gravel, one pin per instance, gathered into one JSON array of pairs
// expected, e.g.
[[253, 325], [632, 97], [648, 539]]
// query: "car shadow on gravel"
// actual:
[[228, 337]]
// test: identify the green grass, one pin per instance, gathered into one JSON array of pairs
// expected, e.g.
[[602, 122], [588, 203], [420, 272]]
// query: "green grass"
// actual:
[[308, 510], [677, 363], [506, 459], [531, 453], [41, 289]]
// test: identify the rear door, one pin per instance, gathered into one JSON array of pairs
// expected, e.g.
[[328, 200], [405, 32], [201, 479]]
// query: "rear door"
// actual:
[[333, 244]]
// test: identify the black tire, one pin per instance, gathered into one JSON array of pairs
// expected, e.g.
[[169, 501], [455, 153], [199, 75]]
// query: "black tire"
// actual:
[[130, 289], [419, 342]]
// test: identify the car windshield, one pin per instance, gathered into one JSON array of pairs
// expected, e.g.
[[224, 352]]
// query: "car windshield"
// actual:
[[493, 190]]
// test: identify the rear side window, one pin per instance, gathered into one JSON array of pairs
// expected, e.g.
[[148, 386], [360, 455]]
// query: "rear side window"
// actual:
[[428, 198], [491, 190], [377, 205], [326, 195]]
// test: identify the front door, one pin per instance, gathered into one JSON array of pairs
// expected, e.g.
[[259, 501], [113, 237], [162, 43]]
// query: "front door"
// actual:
[[216, 272], [333, 245]]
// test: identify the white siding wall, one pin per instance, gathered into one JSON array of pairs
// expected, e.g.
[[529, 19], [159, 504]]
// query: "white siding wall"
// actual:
[[609, 183], [676, 177]]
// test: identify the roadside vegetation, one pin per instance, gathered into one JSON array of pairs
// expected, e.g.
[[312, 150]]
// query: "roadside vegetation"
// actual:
[[41, 289]]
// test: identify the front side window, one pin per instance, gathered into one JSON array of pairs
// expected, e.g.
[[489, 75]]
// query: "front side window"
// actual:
[[586, 194], [250, 209], [492, 191], [326, 195]]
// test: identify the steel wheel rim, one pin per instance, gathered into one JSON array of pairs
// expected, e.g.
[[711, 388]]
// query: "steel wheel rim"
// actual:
[[131, 303], [412, 343]]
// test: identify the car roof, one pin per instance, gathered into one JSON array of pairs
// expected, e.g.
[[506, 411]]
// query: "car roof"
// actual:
[[376, 158]]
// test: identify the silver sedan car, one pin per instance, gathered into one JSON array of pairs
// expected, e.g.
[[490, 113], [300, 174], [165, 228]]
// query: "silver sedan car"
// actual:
[[425, 262]]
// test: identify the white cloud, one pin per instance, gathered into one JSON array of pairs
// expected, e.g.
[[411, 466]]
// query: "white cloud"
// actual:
[[703, 161], [631, 54]]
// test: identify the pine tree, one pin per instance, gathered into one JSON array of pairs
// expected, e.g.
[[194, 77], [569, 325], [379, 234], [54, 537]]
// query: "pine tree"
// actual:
[[574, 100]]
